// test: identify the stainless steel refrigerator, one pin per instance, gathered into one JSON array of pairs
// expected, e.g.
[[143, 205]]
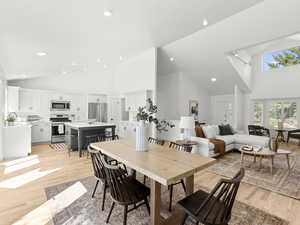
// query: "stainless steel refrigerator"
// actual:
[[98, 112]]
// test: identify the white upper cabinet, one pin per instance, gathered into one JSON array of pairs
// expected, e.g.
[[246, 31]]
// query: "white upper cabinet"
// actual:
[[13, 99], [93, 98], [29, 101], [135, 100]]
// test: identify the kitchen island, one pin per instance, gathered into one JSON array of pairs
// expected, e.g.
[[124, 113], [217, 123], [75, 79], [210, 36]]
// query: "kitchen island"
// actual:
[[76, 133]]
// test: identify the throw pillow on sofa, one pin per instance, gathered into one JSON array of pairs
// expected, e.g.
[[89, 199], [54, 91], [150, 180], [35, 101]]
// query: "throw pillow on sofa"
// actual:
[[209, 131], [225, 130]]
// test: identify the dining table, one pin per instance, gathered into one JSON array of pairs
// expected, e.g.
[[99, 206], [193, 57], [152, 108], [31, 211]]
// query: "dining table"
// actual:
[[161, 164]]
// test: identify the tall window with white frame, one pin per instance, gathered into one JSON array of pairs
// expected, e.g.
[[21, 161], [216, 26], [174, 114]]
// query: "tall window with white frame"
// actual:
[[284, 112], [258, 113]]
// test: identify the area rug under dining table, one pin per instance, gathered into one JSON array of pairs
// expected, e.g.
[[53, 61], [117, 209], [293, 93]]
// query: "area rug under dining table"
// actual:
[[86, 210], [281, 181]]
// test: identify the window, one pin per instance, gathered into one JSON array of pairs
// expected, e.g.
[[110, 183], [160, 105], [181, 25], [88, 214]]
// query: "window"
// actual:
[[258, 114], [280, 59], [285, 112]]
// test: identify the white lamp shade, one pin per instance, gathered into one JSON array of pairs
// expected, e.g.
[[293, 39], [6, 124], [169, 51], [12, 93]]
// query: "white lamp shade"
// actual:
[[187, 122]]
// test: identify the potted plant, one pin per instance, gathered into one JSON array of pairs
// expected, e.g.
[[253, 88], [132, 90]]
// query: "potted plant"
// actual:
[[11, 118], [147, 115]]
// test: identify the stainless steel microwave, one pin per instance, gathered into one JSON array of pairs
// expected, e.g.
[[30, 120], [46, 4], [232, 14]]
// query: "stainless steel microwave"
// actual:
[[60, 106]]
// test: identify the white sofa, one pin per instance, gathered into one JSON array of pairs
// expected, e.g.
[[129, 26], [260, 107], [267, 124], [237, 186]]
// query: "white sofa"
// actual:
[[234, 141]]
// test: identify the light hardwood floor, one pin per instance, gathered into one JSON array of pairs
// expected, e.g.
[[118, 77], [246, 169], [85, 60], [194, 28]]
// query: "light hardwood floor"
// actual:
[[24, 204]]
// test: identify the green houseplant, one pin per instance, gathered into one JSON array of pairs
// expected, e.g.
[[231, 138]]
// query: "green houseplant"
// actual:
[[147, 115], [11, 118]]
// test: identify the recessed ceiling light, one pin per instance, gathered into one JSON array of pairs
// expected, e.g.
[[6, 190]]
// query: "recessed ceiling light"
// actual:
[[98, 60], [172, 59], [205, 22], [64, 72], [104, 66], [235, 54], [41, 53], [107, 13], [121, 58], [213, 79]]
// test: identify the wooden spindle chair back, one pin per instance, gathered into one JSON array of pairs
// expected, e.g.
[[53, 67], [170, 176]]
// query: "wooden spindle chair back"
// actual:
[[223, 197], [111, 138], [156, 141], [179, 147], [98, 167], [116, 180]]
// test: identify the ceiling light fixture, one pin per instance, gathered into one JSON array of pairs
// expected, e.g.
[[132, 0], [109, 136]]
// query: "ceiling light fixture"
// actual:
[[107, 13], [104, 66], [98, 60], [172, 59], [205, 22], [121, 58], [213, 79], [41, 53]]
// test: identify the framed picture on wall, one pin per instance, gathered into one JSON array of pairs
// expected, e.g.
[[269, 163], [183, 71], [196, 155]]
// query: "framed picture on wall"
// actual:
[[194, 109]]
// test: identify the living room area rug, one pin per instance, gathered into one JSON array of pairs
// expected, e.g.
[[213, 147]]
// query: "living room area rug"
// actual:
[[282, 180], [85, 210]]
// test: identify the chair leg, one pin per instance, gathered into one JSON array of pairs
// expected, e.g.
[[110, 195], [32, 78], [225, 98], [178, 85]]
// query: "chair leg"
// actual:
[[110, 211], [147, 205], [171, 196], [97, 182], [104, 195], [125, 168], [145, 179], [125, 214], [184, 219], [183, 185]]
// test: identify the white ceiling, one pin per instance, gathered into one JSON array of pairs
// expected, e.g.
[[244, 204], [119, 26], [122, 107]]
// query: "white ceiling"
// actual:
[[202, 55], [76, 31], [274, 45]]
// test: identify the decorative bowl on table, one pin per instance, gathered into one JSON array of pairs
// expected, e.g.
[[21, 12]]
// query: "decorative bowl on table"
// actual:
[[247, 148]]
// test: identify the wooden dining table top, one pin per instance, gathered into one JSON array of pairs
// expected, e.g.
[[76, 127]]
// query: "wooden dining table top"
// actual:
[[160, 163]]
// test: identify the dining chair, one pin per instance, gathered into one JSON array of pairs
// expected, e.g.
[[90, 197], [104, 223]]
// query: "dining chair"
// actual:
[[124, 190], [153, 141], [212, 208], [99, 172], [179, 147], [111, 138]]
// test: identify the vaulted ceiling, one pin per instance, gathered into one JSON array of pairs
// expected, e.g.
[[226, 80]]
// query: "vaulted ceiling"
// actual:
[[74, 34], [202, 55]]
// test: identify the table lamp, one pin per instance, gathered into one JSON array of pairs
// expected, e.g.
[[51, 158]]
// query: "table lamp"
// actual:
[[187, 123]]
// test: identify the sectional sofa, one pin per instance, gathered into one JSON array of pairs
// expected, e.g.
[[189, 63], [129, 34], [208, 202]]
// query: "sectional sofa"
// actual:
[[234, 141]]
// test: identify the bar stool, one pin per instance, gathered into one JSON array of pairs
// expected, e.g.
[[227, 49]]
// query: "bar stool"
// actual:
[[90, 139]]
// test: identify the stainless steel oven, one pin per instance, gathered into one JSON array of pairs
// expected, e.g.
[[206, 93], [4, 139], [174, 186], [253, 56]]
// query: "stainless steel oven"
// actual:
[[58, 128], [60, 106]]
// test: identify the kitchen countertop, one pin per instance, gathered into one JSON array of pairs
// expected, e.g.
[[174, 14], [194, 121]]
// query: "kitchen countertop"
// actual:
[[87, 125]]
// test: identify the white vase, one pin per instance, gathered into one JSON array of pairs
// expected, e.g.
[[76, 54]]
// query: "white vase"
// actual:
[[142, 135]]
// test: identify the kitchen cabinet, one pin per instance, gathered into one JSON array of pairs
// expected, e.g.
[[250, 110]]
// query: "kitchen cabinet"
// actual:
[[41, 132], [93, 98], [13, 99], [29, 101], [79, 106], [127, 129]]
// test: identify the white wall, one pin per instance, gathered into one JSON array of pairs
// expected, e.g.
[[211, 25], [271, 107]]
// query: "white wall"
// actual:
[[174, 92], [137, 73], [276, 83], [219, 106], [2, 112], [239, 109]]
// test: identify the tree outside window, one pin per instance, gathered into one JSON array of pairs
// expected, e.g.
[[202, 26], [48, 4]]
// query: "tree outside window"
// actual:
[[283, 58], [258, 114], [285, 112]]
